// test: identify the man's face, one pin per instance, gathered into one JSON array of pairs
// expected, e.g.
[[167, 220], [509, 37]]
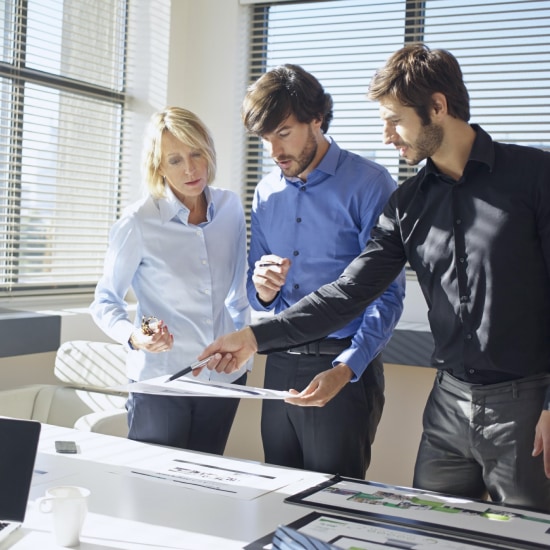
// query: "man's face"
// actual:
[[403, 128], [294, 146]]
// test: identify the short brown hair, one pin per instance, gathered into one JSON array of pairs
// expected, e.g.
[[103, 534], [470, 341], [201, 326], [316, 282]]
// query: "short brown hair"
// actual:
[[189, 129], [283, 91], [414, 73]]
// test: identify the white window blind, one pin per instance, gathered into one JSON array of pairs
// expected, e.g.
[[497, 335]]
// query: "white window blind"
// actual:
[[61, 118], [503, 48]]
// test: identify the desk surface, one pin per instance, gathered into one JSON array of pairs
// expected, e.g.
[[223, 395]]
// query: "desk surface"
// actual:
[[137, 512], [147, 497]]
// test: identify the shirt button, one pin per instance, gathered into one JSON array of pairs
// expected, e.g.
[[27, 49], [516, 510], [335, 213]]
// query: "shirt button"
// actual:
[[299, 220], [468, 336], [464, 299], [204, 262], [207, 292], [472, 371], [303, 188], [461, 260], [458, 221], [296, 287], [295, 253]]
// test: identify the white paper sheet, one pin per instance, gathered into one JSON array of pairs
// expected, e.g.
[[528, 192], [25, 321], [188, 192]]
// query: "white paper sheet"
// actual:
[[188, 386], [215, 474]]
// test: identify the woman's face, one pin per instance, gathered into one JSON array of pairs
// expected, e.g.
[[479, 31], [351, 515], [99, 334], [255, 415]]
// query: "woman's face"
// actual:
[[185, 169]]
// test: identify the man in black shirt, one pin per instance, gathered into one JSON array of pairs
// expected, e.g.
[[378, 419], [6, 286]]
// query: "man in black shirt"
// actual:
[[474, 224]]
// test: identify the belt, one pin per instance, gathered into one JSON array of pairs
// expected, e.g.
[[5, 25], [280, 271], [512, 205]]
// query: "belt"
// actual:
[[328, 346]]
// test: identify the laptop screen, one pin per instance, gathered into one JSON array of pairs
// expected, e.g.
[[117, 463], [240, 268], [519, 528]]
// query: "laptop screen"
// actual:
[[18, 448]]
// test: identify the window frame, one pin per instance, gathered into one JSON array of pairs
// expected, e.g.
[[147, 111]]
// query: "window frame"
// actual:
[[18, 75], [415, 27]]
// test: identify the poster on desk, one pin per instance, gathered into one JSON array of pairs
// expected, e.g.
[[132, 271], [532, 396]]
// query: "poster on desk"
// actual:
[[473, 521]]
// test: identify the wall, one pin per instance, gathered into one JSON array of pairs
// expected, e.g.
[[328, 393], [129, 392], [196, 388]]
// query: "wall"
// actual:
[[207, 74]]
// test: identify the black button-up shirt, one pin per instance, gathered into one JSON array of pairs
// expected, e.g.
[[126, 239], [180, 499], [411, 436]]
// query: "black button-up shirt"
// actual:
[[480, 247]]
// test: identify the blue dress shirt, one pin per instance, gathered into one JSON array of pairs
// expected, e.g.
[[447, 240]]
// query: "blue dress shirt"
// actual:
[[321, 225], [190, 276]]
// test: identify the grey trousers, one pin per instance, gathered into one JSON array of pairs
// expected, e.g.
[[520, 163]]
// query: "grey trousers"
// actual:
[[477, 441]]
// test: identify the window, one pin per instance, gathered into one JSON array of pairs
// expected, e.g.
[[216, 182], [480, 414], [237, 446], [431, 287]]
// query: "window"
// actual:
[[502, 46], [61, 119]]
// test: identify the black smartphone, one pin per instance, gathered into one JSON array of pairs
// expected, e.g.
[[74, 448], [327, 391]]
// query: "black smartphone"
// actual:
[[66, 447]]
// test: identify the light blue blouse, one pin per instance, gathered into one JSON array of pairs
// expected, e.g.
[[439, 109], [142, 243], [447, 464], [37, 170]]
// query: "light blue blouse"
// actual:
[[190, 276]]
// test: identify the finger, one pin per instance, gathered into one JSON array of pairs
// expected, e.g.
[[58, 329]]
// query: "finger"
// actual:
[[212, 363], [211, 349], [297, 402], [159, 338], [309, 401], [227, 364], [169, 342], [268, 276]]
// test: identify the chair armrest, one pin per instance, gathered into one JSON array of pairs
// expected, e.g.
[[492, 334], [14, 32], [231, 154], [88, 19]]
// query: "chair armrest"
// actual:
[[113, 422], [27, 402]]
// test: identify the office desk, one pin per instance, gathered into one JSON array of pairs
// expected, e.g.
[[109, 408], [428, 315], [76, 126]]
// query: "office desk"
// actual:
[[150, 497], [138, 512]]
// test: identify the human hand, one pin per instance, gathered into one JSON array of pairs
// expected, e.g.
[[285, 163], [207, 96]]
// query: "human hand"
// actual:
[[542, 440], [269, 276], [153, 337], [230, 351], [323, 387]]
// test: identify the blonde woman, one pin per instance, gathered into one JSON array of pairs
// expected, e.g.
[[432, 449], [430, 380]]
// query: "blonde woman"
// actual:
[[182, 250]]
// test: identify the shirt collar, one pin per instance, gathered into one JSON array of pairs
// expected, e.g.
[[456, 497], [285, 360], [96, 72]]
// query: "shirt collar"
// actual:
[[482, 153], [327, 166], [170, 206]]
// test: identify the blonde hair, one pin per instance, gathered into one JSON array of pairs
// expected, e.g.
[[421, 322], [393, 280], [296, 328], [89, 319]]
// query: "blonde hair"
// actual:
[[189, 129]]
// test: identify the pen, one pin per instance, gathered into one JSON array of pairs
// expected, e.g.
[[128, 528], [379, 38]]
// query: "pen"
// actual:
[[188, 369], [267, 264]]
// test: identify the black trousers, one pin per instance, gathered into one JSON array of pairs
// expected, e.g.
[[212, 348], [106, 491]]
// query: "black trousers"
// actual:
[[477, 441], [194, 423], [334, 439]]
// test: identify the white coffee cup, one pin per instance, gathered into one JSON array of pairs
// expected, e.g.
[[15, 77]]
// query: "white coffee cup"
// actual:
[[69, 505]]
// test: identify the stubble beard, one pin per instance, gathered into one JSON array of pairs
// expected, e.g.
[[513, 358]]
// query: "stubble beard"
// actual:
[[426, 144], [305, 158]]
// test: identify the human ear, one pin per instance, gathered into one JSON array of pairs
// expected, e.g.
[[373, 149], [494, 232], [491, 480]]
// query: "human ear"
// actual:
[[439, 104]]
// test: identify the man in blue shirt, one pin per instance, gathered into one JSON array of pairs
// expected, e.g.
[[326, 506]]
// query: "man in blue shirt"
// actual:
[[310, 217]]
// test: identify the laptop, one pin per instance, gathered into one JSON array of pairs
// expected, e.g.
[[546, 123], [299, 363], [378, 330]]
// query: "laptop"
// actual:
[[18, 448]]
